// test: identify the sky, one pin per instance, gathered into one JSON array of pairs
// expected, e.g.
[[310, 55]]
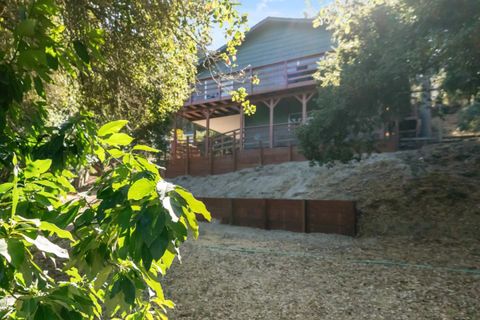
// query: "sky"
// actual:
[[257, 10]]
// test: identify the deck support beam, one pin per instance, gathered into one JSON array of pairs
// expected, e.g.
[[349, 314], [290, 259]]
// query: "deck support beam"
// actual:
[[207, 113], [242, 127], [271, 104], [303, 99]]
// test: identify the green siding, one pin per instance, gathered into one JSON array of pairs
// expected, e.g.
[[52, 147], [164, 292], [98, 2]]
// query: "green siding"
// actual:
[[277, 41]]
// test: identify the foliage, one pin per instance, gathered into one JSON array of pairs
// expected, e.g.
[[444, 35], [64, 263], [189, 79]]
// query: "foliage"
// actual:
[[140, 57], [241, 96], [70, 255], [113, 249], [470, 117], [384, 51], [452, 31]]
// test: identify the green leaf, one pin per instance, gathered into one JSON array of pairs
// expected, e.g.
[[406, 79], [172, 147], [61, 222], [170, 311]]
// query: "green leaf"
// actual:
[[140, 189], [36, 168], [47, 226], [159, 246], [26, 27], [16, 248], [146, 257], [155, 286], [148, 166], [33, 222], [81, 51], [194, 204], [5, 187], [52, 61], [119, 139], [128, 289], [111, 127], [116, 153], [45, 245], [47, 183], [4, 250], [65, 183], [67, 174], [167, 204], [44, 312], [142, 147], [39, 86], [100, 153], [102, 276]]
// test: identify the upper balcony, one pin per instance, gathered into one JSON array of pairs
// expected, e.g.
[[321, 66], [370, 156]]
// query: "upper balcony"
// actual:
[[280, 76]]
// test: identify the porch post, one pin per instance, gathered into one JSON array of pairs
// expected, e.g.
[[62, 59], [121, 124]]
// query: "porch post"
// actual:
[[207, 134], [304, 110], [271, 104], [270, 128], [303, 99], [194, 134], [242, 127]]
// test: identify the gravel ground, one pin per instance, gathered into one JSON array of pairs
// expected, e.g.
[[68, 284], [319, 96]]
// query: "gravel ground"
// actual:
[[417, 255], [243, 273]]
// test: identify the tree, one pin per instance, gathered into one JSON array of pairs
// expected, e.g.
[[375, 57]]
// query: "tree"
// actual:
[[140, 56], [62, 255], [383, 52]]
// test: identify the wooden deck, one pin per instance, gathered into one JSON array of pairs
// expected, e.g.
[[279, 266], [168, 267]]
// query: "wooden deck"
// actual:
[[285, 77]]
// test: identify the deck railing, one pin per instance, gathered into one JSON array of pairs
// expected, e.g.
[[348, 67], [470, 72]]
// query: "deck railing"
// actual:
[[228, 142], [276, 76]]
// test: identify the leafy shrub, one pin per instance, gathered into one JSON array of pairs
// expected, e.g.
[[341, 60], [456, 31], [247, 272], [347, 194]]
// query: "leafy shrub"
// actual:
[[113, 248], [470, 117]]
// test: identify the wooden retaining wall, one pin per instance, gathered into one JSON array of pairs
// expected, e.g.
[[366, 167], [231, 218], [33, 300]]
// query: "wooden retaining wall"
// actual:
[[325, 216], [204, 166]]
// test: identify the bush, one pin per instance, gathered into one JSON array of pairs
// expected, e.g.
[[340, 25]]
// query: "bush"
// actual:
[[112, 250]]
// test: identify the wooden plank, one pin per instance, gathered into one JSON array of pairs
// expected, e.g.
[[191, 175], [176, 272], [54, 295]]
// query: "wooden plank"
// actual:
[[331, 216], [249, 212], [326, 216], [285, 214]]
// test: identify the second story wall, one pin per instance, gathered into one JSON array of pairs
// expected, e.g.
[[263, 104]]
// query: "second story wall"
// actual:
[[276, 39]]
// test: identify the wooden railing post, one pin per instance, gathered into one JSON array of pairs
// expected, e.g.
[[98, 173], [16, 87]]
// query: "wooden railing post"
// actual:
[[242, 127], [187, 158], [222, 141], [210, 154], [207, 133], [234, 151]]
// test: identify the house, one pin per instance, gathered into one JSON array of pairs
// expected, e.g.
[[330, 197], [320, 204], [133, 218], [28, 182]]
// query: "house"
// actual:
[[283, 54]]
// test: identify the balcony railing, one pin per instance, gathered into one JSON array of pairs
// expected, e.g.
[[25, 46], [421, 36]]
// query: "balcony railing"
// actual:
[[224, 143], [276, 76]]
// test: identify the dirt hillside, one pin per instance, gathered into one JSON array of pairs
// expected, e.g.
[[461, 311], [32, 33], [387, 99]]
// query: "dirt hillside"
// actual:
[[428, 193]]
